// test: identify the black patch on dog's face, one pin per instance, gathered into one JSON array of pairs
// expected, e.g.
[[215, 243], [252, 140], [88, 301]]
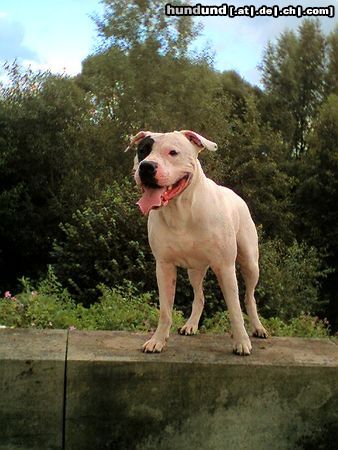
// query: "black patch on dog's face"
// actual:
[[144, 148]]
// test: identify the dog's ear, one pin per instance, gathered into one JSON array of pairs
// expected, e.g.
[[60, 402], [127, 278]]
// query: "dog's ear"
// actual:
[[137, 138], [199, 140]]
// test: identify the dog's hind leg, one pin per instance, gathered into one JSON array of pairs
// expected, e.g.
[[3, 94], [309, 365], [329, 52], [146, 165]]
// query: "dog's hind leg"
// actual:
[[196, 279], [226, 276], [250, 272], [247, 257]]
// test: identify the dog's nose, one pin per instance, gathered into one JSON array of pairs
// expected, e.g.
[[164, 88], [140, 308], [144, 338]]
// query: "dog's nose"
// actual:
[[147, 169]]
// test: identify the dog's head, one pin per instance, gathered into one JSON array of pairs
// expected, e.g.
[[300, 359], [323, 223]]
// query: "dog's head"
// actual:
[[165, 163]]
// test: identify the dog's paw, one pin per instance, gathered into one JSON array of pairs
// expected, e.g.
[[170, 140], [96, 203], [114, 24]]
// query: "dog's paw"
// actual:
[[154, 345], [242, 347], [188, 329], [260, 332]]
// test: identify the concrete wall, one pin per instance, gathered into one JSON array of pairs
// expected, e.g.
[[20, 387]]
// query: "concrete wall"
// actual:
[[32, 369], [100, 392]]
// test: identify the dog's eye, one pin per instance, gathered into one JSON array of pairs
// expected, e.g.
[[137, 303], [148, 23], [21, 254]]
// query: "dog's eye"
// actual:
[[173, 153]]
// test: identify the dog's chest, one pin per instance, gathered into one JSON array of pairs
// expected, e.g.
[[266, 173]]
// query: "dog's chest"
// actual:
[[184, 252], [185, 249]]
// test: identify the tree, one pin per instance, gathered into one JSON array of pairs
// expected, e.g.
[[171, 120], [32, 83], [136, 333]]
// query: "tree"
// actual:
[[316, 197], [47, 166], [143, 23], [332, 76], [294, 73], [251, 162], [143, 76]]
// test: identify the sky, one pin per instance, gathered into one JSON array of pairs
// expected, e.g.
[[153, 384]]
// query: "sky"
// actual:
[[58, 34]]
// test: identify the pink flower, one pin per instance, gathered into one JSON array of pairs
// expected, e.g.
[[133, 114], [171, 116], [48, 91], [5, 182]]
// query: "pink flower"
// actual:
[[72, 328], [7, 294]]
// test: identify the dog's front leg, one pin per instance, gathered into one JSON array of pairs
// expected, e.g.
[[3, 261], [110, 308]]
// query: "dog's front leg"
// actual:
[[166, 280]]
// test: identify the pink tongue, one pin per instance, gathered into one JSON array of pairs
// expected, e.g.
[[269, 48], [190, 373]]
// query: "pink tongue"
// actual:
[[150, 199]]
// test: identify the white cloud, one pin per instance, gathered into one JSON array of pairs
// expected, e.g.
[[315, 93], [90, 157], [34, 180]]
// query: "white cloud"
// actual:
[[11, 41], [62, 64]]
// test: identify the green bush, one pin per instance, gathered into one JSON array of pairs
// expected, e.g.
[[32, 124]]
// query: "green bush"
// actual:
[[50, 306], [290, 279], [304, 325], [106, 242], [123, 309]]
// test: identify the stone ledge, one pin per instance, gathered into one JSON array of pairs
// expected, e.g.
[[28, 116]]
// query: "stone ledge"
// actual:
[[196, 394], [202, 348], [32, 344]]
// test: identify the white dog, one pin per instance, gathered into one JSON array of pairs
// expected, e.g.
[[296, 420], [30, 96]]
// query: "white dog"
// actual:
[[196, 224]]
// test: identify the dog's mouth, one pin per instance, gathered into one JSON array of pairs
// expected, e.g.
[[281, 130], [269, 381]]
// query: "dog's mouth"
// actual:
[[155, 196]]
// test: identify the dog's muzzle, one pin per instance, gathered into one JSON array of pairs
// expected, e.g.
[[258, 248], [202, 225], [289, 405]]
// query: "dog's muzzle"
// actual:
[[147, 171]]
